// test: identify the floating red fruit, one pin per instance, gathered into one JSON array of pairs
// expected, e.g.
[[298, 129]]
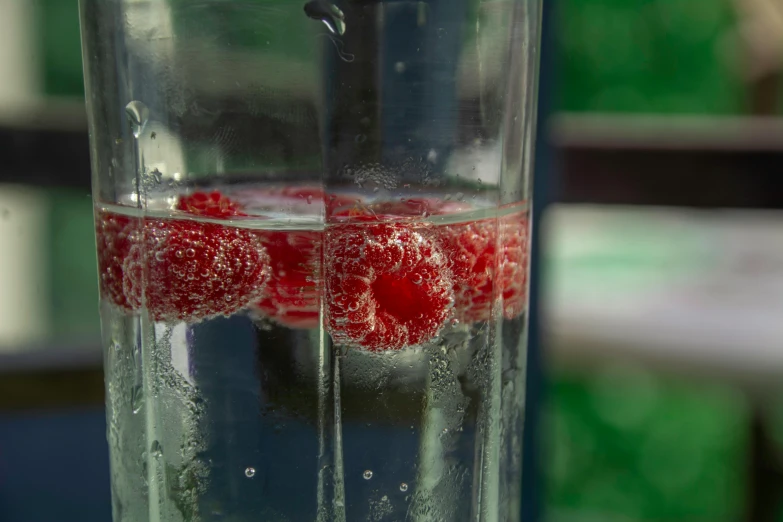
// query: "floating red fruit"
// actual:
[[114, 234], [189, 271], [387, 285], [294, 292], [483, 254]]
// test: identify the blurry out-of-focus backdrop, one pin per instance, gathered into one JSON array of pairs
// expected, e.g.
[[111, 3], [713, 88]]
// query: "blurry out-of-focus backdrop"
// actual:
[[657, 361]]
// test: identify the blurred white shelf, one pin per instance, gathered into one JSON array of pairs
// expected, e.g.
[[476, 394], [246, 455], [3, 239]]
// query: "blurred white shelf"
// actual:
[[696, 291], [666, 132]]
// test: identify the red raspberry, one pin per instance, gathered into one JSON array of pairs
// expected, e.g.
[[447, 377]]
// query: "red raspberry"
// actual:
[[387, 285], [514, 263], [115, 234], [212, 204], [472, 249], [293, 296], [190, 270]]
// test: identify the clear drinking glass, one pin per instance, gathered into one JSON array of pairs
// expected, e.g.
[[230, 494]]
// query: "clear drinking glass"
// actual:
[[312, 230]]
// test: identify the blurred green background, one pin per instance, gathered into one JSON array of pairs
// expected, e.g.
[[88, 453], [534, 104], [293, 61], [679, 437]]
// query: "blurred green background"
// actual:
[[622, 440]]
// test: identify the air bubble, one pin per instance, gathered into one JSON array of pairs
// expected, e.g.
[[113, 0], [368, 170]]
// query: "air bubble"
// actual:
[[416, 279], [250, 472], [367, 474], [403, 487], [309, 199]]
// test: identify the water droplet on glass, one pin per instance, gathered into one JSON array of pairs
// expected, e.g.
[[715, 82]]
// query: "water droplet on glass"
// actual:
[[137, 398], [367, 474], [328, 13], [156, 450], [137, 114], [403, 487], [250, 472], [460, 196]]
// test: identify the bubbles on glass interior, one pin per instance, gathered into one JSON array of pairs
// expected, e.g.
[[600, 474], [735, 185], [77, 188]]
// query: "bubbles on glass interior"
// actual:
[[328, 13], [367, 475], [403, 487], [138, 114], [250, 472]]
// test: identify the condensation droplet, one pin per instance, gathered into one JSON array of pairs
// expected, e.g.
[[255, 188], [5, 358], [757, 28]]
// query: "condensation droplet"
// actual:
[[137, 114], [156, 450], [367, 474], [137, 398], [250, 472], [329, 14]]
